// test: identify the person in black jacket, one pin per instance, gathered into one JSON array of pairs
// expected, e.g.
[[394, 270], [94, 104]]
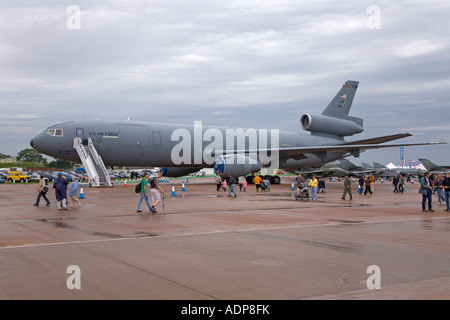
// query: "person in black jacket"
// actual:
[[232, 186], [395, 183], [60, 187]]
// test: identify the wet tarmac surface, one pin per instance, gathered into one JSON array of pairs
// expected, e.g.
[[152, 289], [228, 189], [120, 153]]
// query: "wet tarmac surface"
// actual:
[[205, 245]]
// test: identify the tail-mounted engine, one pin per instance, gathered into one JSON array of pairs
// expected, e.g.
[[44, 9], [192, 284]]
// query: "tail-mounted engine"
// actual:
[[331, 125]]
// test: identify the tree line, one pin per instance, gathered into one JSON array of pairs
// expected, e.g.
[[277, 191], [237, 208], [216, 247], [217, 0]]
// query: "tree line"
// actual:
[[31, 155]]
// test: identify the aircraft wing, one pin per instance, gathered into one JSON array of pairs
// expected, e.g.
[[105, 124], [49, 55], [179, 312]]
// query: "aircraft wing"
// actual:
[[298, 152], [382, 139]]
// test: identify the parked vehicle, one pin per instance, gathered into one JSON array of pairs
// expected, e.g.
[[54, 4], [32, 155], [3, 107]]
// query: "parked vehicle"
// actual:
[[16, 176]]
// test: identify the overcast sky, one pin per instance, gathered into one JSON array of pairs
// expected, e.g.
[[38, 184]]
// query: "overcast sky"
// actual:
[[246, 63]]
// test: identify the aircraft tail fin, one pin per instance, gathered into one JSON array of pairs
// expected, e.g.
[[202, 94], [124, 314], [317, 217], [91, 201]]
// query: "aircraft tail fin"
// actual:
[[334, 120], [430, 166], [340, 106], [347, 165], [366, 166], [379, 165]]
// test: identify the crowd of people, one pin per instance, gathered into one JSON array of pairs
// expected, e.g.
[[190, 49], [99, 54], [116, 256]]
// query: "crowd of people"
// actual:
[[62, 189], [150, 190], [429, 185]]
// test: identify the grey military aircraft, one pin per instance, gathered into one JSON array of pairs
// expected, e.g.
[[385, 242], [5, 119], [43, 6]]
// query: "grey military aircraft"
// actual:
[[432, 167], [180, 149], [379, 170], [339, 168], [384, 171]]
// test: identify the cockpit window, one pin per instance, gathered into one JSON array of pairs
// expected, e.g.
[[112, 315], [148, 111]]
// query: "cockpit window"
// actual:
[[54, 132]]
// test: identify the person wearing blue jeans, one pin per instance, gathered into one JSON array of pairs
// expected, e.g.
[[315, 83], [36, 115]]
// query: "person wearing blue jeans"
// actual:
[[232, 185], [313, 183], [143, 195], [426, 191], [446, 185]]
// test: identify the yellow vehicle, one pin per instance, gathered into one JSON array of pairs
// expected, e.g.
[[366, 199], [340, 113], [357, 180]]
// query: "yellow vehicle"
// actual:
[[16, 176]]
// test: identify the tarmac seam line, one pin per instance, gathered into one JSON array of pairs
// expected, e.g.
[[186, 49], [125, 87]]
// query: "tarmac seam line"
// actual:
[[214, 232]]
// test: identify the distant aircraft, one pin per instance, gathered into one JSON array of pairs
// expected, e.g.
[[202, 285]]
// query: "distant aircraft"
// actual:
[[379, 170], [432, 167], [181, 149], [339, 168], [414, 172]]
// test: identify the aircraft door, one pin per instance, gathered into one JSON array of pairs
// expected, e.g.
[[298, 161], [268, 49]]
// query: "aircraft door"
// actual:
[[80, 133], [156, 139], [134, 142]]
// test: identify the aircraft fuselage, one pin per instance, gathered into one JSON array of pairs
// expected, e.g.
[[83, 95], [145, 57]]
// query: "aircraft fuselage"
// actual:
[[150, 144]]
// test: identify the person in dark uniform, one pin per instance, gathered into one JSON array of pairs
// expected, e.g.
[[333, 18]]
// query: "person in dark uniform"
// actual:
[[347, 188]]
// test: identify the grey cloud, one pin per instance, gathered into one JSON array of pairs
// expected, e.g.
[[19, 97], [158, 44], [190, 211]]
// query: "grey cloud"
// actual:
[[254, 63]]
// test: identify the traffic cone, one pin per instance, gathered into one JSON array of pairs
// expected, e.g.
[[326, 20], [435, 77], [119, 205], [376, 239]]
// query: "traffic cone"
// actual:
[[173, 189], [125, 183], [183, 188], [292, 186], [81, 193], [26, 181], [14, 182]]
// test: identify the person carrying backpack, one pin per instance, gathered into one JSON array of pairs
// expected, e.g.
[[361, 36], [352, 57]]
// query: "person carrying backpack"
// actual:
[[143, 195], [42, 191]]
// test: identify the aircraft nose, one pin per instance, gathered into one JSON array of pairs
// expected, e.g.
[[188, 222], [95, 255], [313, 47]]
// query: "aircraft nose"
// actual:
[[31, 143]]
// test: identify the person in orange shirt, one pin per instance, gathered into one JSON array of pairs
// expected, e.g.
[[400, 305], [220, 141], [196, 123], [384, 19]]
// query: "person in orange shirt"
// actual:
[[257, 181]]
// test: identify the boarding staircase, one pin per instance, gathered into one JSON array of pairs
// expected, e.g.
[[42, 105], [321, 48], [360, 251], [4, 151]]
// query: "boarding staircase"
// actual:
[[92, 162]]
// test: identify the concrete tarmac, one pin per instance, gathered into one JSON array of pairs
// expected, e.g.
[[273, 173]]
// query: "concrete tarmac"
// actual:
[[205, 245]]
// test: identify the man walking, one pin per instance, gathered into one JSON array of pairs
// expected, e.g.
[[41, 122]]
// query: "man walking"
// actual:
[[143, 195], [347, 188], [42, 191], [367, 183], [401, 183], [426, 190], [155, 191], [361, 185], [60, 187], [232, 185], [395, 183]]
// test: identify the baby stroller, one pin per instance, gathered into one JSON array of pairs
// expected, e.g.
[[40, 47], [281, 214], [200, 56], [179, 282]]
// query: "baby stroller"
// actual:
[[302, 193], [265, 185]]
